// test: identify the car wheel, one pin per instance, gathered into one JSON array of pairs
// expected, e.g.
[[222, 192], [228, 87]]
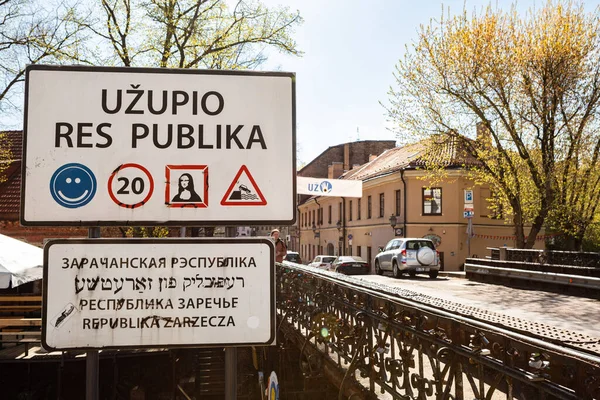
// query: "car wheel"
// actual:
[[396, 270], [412, 273], [378, 270], [433, 274]]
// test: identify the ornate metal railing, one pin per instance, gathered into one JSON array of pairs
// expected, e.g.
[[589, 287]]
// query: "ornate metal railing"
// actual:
[[409, 350], [552, 257]]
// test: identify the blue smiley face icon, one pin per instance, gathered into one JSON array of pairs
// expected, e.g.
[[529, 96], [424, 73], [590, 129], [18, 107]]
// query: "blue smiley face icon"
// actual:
[[73, 185]]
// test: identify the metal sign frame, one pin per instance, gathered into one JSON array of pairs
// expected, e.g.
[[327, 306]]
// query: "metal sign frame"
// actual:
[[163, 241], [169, 222]]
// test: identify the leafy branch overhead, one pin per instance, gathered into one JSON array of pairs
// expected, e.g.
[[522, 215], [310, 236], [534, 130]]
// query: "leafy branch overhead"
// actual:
[[195, 33], [520, 94]]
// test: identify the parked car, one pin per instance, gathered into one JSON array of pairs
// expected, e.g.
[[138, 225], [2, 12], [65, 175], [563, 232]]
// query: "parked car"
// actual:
[[412, 255], [323, 262], [293, 256], [351, 265]]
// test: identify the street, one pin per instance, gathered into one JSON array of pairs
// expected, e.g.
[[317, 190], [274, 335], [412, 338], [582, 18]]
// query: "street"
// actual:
[[532, 308]]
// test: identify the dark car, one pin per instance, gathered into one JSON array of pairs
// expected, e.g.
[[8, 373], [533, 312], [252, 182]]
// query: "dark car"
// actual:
[[351, 265], [294, 257]]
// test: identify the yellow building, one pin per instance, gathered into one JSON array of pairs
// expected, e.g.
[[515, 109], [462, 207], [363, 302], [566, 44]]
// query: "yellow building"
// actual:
[[398, 202]]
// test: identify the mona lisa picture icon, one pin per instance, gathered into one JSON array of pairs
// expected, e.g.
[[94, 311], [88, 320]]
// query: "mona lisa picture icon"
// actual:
[[186, 186]]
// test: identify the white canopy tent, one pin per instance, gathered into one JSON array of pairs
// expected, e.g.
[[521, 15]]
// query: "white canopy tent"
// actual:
[[20, 262]]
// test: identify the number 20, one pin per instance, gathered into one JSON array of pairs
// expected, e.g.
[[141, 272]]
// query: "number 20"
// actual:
[[137, 185]]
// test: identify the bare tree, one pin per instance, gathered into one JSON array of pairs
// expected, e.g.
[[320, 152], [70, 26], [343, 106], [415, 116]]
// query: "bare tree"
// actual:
[[32, 32], [194, 33]]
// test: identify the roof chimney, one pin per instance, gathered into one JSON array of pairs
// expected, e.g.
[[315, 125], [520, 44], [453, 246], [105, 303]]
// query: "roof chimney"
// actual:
[[335, 170], [346, 156]]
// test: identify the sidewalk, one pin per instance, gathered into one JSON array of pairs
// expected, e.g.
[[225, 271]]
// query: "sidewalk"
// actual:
[[557, 317]]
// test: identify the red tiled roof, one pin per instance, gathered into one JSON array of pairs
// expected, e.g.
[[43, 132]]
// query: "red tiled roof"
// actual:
[[10, 179], [387, 162], [446, 154], [13, 140], [10, 190]]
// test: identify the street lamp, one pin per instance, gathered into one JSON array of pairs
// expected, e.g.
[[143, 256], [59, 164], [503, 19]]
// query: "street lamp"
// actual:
[[393, 221], [338, 225], [316, 234]]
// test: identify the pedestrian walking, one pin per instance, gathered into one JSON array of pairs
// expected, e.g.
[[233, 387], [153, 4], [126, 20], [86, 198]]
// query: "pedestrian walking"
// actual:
[[280, 247]]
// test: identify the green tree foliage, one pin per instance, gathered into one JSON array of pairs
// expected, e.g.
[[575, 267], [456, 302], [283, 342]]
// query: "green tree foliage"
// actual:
[[145, 232], [532, 86], [193, 33], [5, 155]]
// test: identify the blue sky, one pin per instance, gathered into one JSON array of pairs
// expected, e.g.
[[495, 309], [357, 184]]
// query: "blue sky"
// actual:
[[351, 48]]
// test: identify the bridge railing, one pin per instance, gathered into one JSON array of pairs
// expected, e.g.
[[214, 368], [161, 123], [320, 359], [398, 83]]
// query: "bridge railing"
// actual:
[[551, 257], [409, 350]]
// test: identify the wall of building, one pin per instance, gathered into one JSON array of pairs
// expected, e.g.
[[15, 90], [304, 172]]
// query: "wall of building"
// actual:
[[450, 227], [356, 153]]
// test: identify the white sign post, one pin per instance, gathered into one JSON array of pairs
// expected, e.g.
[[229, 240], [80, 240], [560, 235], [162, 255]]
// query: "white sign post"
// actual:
[[468, 196], [119, 293], [127, 146], [329, 187]]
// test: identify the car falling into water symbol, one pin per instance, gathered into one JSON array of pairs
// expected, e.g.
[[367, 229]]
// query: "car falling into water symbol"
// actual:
[[244, 188]]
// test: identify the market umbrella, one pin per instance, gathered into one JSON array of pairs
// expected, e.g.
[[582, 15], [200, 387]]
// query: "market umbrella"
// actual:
[[20, 262]]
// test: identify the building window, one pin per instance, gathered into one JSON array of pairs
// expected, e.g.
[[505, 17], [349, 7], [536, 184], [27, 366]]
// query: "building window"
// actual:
[[350, 211], [358, 251], [320, 216], [484, 208], [369, 207], [358, 203], [340, 213], [329, 220], [432, 201], [381, 205], [369, 254], [398, 202]]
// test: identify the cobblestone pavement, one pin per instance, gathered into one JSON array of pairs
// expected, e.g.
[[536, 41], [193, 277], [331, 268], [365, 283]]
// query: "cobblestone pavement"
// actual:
[[565, 312]]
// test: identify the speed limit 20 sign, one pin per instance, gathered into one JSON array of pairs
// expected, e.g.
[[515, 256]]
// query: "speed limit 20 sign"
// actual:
[[127, 146]]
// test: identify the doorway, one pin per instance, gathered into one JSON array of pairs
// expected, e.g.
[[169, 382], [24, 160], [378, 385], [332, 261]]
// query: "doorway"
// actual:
[[330, 249]]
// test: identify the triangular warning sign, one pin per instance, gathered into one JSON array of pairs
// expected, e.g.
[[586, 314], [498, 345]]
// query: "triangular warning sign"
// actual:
[[243, 191]]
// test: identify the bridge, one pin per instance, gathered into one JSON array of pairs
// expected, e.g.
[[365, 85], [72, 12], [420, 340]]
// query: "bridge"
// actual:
[[379, 337]]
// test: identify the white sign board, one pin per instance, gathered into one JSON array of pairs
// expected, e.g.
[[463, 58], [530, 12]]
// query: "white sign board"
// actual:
[[118, 293], [468, 212], [329, 187], [468, 196], [128, 146]]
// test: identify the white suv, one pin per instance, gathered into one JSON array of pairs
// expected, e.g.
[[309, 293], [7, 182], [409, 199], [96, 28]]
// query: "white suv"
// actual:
[[412, 255], [323, 262]]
